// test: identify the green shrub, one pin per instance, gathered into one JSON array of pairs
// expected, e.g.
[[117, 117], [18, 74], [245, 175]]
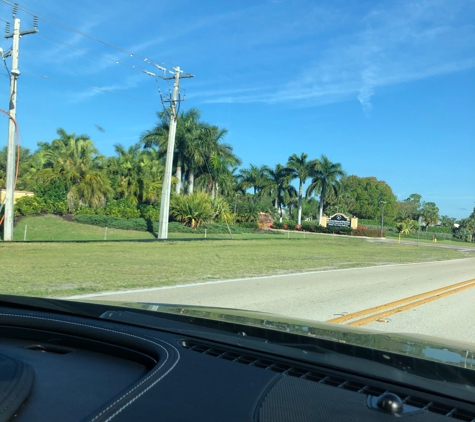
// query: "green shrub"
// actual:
[[192, 210], [139, 224], [84, 211], [312, 227], [464, 234], [248, 208], [213, 228], [142, 224], [221, 210], [346, 230], [150, 212], [60, 207], [439, 229], [29, 205], [54, 191], [374, 223], [248, 224], [368, 232], [122, 208]]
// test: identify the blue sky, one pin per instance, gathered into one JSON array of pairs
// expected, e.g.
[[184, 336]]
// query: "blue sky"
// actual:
[[385, 88]]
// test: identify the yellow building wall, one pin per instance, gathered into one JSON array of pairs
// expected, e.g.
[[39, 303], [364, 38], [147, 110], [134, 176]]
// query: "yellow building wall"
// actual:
[[17, 194]]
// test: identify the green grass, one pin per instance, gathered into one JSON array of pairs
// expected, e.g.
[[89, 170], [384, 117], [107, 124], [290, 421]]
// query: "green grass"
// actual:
[[62, 269], [51, 227], [428, 239], [55, 228]]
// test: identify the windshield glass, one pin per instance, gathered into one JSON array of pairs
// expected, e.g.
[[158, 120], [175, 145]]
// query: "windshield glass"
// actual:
[[309, 160]]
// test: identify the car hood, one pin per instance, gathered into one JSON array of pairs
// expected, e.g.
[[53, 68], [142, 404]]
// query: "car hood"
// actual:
[[414, 345]]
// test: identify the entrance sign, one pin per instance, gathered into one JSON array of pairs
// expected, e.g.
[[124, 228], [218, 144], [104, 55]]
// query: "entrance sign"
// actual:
[[338, 220]]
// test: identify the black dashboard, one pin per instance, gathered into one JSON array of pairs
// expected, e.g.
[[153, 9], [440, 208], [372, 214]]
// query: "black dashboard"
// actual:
[[61, 367]]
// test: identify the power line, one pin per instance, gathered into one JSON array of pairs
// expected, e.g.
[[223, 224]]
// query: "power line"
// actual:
[[76, 31], [92, 53], [89, 87]]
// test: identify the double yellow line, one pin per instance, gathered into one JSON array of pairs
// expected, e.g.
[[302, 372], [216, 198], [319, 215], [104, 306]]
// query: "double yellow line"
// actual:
[[380, 312]]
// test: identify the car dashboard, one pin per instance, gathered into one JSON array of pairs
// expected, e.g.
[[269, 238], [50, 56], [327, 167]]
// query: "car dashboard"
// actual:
[[125, 366]]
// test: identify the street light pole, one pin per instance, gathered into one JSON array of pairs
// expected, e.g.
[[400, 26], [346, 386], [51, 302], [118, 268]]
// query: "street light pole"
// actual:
[[382, 217]]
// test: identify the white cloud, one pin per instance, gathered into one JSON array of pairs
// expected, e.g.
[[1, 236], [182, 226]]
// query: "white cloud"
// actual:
[[130, 82], [410, 41]]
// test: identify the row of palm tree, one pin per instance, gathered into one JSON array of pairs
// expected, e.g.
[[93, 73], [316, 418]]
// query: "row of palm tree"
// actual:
[[202, 161], [323, 174], [200, 154]]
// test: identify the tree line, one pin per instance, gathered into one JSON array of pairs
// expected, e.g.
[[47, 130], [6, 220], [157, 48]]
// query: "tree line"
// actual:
[[71, 176]]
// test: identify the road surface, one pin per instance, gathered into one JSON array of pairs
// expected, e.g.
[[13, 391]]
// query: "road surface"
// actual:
[[448, 310]]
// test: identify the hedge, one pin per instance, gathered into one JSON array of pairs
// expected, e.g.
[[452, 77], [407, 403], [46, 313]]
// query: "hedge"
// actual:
[[312, 227], [139, 224], [31, 205], [142, 224]]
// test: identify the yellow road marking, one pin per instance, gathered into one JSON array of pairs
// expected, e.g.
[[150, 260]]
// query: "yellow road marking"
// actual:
[[432, 295], [367, 320]]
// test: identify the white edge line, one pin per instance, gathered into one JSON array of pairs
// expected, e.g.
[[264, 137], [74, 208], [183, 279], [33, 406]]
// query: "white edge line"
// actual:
[[232, 280]]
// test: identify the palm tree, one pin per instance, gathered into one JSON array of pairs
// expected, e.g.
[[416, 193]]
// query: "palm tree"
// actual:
[[36, 162], [124, 172], [430, 214], [217, 161], [406, 226], [201, 145], [277, 185], [152, 172], [218, 176], [300, 170], [24, 157], [75, 160], [291, 203], [188, 128], [253, 177], [325, 180]]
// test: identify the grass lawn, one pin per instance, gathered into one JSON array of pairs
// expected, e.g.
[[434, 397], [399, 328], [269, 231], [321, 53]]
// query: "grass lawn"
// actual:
[[413, 238], [63, 269], [52, 227]]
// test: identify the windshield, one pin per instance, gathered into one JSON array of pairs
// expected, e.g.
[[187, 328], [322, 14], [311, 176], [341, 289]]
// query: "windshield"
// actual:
[[313, 160]]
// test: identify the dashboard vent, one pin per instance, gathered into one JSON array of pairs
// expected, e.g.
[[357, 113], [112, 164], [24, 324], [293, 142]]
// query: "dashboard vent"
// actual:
[[325, 378]]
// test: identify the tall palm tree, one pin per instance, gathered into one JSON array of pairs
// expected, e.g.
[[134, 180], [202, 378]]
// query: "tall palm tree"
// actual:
[[325, 180], [76, 161], [206, 151], [152, 172], [253, 177], [188, 128], [278, 186], [300, 170], [124, 172], [218, 177], [36, 162]]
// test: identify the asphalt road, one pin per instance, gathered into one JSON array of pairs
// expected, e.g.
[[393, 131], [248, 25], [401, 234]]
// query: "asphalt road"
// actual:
[[327, 295]]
